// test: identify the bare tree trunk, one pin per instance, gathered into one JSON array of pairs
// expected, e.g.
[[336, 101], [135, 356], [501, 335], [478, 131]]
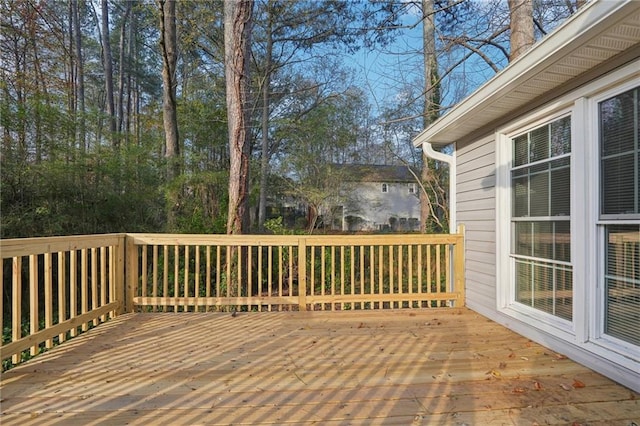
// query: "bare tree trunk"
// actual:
[[237, 33], [168, 47], [266, 99], [430, 111], [522, 35], [79, 80], [122, 72], [107, 61]]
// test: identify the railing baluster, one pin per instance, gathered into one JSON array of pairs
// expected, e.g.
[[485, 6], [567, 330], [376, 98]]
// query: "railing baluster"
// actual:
[[16, 295], [48, 296], [62, 293], [103, 280], [94, 282]]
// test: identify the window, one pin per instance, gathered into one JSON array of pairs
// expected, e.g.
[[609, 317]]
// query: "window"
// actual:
[[385, 188], [619, 146], [540, 218], [412, 188]]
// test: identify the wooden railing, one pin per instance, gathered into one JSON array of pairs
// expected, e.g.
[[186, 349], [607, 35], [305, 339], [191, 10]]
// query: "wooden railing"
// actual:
[[250, 272], [55, 288]]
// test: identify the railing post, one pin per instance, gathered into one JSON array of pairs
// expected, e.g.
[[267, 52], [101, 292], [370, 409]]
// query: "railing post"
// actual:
[[302, 274], [131, 273], [459, 266], [120, 279]]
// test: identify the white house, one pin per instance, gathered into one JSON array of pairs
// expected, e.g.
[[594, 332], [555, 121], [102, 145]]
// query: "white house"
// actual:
[[546, 179], [379, 197]]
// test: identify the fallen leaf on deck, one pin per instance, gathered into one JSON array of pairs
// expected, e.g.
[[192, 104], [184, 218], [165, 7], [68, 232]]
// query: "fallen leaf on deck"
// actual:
[[494, 373], [502, 365], [565, 387], [578, 384], [524, 358], [560, 356], [519, 390], [512, 355], [537, 386]]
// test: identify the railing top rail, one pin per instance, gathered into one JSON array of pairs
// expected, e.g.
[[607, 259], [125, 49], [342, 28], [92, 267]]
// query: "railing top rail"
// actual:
[[285, 240], [29, 246]]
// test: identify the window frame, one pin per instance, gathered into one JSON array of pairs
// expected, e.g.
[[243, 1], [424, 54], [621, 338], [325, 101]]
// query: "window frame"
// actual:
[[586, 237], [600, 221], [505, 288]]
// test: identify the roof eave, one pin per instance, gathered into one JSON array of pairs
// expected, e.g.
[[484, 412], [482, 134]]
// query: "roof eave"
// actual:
[[586, 23]]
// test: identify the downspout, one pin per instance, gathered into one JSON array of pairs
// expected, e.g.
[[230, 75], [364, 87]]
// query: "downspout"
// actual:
[[428, 150]]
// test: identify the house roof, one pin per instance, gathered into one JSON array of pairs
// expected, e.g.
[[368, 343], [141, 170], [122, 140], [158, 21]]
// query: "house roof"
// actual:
[[597, 33], [375, 173]]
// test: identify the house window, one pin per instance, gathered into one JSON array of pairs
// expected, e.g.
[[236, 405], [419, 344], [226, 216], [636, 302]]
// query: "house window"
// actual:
[[385, 188], [540, 218], [619, 146], [412, 188]]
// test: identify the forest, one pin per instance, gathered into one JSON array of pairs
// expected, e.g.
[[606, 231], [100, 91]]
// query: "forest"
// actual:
[[115, 114]]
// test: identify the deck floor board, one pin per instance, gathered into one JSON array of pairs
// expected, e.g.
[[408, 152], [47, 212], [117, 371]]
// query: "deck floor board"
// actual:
[[430, 366]]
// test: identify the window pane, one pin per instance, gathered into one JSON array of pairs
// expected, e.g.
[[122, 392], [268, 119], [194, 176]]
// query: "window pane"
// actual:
[[618, 188], [560, 188], [520, 150], [543, 240], [617, 122], [619, 149], [520, 197], [539, 144], [543, 294], [561, 137], [522, 239], [562, 241], [524, 293], [622, 282], [564, 293], [539, 190]]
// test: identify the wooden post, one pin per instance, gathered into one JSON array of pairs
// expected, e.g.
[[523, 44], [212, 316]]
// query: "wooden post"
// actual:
[[459, 265], [302, 274], [117, 272], [131, 273]]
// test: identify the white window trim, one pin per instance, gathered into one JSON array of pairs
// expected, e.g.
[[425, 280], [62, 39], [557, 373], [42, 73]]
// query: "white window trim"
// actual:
[[586, 259], [505, 290], [595, 228]]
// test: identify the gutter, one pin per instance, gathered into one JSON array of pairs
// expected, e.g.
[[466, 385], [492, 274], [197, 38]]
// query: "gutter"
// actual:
[[428, 150]]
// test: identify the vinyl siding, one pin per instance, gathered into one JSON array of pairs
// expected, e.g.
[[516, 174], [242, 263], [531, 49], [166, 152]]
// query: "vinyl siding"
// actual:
[[476, 210]]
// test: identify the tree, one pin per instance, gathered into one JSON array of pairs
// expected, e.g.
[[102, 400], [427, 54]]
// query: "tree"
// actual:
[[237, 34], [168, 48], [286, 33], [521, 24], [107, 62]]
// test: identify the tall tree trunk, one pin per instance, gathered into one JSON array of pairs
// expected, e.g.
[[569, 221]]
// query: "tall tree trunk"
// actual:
[[266, 100], [237, 33], [79, 78], [107, 61], [522, 35], [430, 110], [168, 47], [122, 72]]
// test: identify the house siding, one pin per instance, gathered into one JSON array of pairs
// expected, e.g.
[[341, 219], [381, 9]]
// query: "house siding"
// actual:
[[475, 206], [375, 208]]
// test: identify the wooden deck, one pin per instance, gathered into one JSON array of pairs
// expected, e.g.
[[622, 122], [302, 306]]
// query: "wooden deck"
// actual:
[[430, 366]]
